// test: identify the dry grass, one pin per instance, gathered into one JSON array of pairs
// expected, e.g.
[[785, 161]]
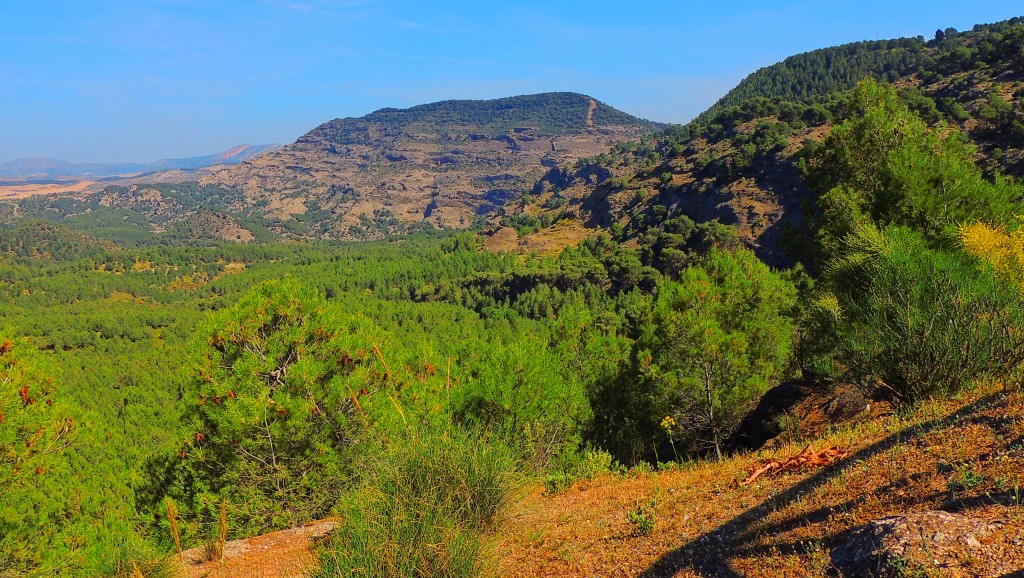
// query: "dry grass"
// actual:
[[964, 455], [172, 519], [961, 456], [222, 530], [549, 241], [26, 190]]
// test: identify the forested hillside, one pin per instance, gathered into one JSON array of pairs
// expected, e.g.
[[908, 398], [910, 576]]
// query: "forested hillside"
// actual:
[[824, 72], [550, 114], [741, 161], [173, 375]]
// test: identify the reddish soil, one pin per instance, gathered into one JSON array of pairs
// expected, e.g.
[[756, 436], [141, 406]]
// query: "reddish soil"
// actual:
[[960, 456]]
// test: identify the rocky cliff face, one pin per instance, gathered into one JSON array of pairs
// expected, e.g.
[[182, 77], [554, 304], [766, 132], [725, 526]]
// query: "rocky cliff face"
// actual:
[[761, 202], [445, 163]]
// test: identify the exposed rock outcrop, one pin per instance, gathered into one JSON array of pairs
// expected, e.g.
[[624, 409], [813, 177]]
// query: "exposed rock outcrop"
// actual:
[[931, 541]]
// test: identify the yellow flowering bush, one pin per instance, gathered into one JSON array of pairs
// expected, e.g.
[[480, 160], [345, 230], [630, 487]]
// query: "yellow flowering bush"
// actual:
[[1003, 249]]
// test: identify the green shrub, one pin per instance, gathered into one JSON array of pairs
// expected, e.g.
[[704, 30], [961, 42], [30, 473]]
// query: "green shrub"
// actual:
[[425, 511], [121, 563], [917, 321], [718, 340], [34, 436], [559, 482], [885, 165], [965, 479], [642, 518], [585, 466], [522, 396], [274, 412], [640, 469]]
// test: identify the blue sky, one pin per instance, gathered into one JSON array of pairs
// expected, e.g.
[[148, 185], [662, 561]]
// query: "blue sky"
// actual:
[[137, 80]]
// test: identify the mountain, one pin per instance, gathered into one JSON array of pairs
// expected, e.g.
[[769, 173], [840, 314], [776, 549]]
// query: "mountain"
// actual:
[[47, 168], [525, 162], [739, 162], [446, 163], [232, 156]]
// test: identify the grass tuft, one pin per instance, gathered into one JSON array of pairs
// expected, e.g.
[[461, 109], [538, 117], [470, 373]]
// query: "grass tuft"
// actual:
[[427, 511]]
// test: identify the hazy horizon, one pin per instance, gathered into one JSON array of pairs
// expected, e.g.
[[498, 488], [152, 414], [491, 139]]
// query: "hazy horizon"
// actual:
[[117, 81]]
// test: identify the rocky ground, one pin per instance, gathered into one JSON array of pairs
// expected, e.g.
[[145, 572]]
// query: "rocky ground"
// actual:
[[412, 171], [933, 493]]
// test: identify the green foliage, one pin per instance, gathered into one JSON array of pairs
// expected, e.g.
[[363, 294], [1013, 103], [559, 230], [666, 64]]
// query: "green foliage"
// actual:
[[275, 409], [884, 165], [120, 560], [820, 73], [828, 70], [767, 137], [521, 395], [918, 321], [922, 105], [905, 310], [717, 340], [39, 239], [997, 113], [550, 113], [754, 121], [523, 224], [984, 46], [554, 202], [34, 436], [586, 466], [678, 241], [312, 395], [425, 511], [966, 479], [642, 518]]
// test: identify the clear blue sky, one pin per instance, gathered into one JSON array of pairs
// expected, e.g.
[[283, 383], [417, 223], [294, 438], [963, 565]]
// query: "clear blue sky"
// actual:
[[139, 80]]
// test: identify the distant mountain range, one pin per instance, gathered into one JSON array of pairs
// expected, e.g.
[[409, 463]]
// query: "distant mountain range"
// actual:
[[48, 168]]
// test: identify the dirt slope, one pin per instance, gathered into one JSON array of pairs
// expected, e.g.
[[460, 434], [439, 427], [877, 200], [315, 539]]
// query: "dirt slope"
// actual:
[[284, 554], [964, 457], [952, 460]]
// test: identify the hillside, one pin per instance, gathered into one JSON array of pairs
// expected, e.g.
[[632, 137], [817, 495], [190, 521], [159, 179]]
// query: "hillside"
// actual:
[[447, 163], [944, 479], [739, 162], [945, 476]]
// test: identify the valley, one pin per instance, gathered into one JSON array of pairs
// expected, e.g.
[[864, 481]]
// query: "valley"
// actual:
[[538, 336]]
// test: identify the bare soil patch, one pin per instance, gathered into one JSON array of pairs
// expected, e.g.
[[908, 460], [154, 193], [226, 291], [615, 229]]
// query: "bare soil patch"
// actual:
[[24, 191], [284, 554]]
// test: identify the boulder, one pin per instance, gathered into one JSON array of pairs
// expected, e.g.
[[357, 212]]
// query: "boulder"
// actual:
[[931, 542]]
